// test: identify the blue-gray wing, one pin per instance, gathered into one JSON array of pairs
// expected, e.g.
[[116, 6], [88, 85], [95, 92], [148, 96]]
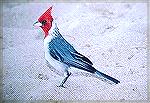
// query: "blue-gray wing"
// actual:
[[61, 44], [62, 51]]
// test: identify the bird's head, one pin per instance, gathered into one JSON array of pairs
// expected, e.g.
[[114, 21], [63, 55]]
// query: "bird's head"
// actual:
[[45, 21]]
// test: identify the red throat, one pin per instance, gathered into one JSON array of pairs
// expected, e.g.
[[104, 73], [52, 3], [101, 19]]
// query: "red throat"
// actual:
[[46, 34], [46, 16], [46, 28]]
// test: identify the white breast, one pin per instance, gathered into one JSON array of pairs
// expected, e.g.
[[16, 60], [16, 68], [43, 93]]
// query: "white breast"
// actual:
[[56, 64]]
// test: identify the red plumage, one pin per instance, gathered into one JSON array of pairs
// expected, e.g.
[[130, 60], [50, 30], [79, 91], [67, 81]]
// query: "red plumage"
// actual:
[[46, 16]]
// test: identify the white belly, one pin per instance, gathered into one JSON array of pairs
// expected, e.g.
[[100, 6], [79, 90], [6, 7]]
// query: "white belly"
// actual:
[[54, 63]]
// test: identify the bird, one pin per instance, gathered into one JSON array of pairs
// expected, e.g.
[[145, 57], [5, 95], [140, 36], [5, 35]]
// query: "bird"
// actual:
[[61, 55]]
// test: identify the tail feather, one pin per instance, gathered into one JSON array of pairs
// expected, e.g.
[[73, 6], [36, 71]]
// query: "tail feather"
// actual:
[[106, 78]]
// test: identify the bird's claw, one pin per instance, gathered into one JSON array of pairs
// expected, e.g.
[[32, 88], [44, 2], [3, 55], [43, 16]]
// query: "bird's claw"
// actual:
[[64, 80], [61, 86]]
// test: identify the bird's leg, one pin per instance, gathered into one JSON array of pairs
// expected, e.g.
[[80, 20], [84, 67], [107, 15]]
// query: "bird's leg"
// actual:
[[64, 80]]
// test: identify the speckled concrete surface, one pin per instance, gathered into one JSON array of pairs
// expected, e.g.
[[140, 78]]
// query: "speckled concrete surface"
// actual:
[[112, 35]]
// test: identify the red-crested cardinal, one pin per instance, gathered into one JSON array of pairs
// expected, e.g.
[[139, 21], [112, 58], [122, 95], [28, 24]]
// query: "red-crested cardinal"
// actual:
[[61, 55]]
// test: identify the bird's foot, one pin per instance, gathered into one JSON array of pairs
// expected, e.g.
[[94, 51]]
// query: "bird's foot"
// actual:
[[61, 86], [64, 80]]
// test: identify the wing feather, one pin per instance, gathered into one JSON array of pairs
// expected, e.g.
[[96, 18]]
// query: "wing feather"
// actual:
[[62, 51], [63, 44]]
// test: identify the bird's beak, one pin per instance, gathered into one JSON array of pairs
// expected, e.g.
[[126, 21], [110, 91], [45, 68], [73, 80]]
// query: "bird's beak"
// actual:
[[37, 24]]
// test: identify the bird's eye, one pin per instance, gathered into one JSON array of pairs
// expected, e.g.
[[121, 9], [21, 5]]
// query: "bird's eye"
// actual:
[[43, 22], [52, 20]]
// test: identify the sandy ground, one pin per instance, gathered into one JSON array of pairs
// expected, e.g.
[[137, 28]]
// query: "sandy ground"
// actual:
[[112, 35]]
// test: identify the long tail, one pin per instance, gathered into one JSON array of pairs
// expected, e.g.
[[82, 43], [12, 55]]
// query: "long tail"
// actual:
[[91, 69], [106, 78]]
